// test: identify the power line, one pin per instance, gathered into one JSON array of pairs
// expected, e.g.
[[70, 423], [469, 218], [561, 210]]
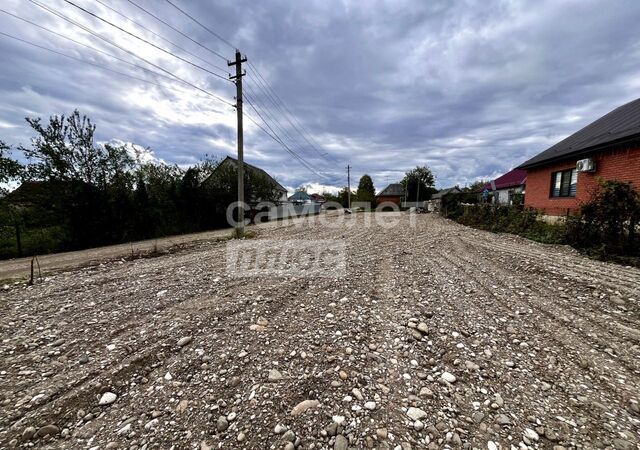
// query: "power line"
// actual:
[[79, 59], [203, 26], [276, 122], [177, 30], [276, 138], [88, 30], [159, 36], [168, 52], [85, 45], [301, 128]]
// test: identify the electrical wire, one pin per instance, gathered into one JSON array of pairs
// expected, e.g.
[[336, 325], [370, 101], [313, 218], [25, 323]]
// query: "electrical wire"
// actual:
[[203, 26], [168, 52], [267, 88], [88, 30], [159, 36], [276, 138], [177, 30], [86, 45]]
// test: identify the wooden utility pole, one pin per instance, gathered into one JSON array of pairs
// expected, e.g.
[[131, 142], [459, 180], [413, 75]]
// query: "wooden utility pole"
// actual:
[[349, 187], [238, 80]]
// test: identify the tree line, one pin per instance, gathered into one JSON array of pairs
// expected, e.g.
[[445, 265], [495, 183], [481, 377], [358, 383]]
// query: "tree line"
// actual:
[[75, 193]]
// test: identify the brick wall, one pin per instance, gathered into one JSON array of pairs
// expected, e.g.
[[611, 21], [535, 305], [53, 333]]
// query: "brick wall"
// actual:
[[617, 164]]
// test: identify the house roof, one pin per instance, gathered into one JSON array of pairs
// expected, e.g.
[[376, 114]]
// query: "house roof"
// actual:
[[515, 177], [254, 169], [394, 189], [300, 196], [620, 125], [443, 192]]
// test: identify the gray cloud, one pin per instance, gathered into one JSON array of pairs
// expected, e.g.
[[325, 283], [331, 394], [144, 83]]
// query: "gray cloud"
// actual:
[[469, 88]]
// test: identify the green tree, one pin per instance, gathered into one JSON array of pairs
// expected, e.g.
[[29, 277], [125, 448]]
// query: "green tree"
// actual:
[[10, 169], [419, 178], [476, 186], [64, 150], [366, 191]]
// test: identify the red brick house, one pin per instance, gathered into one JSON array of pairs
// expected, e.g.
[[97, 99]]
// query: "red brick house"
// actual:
[[563, 177], [393, 193]]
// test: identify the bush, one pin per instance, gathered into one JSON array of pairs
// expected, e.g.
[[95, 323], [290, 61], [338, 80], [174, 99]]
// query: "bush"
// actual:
[[608, 221], [509, 219]]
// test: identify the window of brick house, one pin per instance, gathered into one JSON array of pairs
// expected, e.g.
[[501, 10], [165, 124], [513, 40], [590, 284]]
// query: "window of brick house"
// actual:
[[564, 183]]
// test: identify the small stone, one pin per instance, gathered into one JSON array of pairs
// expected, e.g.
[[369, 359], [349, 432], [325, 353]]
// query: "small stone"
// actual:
[[28, 433], [341, 443], [416, 413], [279, 429], [262, 321], [289, 436], [290, 446], [530, 434], [241, 437], [502, 419], [168, 376], [370, 406], [107, 398], [423, 328], [448, 377], [357, 394], [343, 375], [48, 430], [222, 424], [182, 406], [425, 392], [303, 406], [274, 375], [492, 445], [382, 433], [184, 341], [418, 425]]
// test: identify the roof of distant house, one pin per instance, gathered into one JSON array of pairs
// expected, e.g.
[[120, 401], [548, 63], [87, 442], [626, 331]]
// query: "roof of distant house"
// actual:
[[254, 169], [300, 196], [515, 177], [620, 125], [443, 192], [393, 190]]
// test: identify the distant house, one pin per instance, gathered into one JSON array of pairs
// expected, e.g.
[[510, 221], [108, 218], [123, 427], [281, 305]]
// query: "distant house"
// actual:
[[394, 193], [562, 177], [251, 171], [318, 198], [436, 199], [300, 197], [507, 186]]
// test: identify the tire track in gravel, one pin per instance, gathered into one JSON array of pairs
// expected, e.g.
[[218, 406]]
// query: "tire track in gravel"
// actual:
[[67, 397], [604, 274], [608, 392], [575, 308], [560, 339]]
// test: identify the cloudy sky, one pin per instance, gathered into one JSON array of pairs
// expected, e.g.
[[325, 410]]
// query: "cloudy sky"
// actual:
[[469, 88]]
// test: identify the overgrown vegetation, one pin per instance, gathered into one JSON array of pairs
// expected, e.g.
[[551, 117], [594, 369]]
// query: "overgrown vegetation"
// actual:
[[606, 227], [77, 194]]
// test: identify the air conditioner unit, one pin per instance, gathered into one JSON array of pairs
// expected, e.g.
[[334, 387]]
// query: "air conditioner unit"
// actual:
[[586, 165]]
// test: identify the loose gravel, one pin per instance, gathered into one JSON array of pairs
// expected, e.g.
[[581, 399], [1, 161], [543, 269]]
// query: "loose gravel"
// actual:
[[438, 336]]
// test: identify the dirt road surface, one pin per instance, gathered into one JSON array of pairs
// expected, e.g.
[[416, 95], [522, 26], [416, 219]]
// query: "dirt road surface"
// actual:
[[438, 336]]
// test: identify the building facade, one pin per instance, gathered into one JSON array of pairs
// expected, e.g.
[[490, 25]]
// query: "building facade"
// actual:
[[563, 177]]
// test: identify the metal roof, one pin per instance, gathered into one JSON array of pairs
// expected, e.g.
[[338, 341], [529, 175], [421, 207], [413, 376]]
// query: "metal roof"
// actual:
[[515, 177], [394, 189], [251, 168], [620, 125], [443, 192]]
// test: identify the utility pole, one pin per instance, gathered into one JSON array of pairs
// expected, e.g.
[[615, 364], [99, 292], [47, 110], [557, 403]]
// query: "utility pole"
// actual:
[[418, 193], [349, 187], [238, 80]]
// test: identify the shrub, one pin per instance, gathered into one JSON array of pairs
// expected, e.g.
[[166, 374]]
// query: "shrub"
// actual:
[[607, 222]]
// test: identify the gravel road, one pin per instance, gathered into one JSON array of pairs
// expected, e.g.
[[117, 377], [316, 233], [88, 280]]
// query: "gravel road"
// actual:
[[437, 336]]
